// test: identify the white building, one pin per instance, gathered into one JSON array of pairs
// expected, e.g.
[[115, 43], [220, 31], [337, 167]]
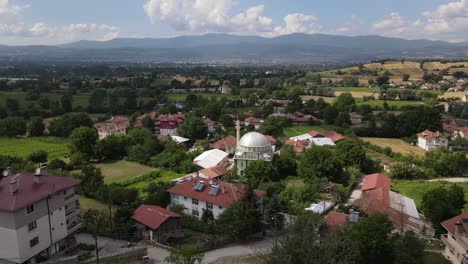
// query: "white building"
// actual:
[[429, 140], [456, 239], [252, 146], [37, 215], [198, 194], [211, 158]]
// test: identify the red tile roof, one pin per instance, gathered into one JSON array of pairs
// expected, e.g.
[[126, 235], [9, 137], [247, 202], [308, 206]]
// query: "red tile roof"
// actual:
[[427, 134], [153, 216], [374, 181], [252, 121], [271, 139], [449, 224], [28, 191], [211, 172], [314, 133], [231, 192], [225, 143], [118, 119], [335, 219], [335, 136], [299, 146]]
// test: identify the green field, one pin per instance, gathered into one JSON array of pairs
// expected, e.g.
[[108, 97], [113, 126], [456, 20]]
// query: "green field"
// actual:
[[434, 258], [357, 89], [299, 130], [166, 176], [397, 145], [22, 147], [379, 103], [416, 189], [79, 100], [115, 171]]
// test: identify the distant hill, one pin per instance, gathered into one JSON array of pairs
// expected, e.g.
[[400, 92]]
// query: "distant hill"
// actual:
[[293, 48]]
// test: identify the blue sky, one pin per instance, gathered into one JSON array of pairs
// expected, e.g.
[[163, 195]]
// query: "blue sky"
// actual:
[[55, 21]]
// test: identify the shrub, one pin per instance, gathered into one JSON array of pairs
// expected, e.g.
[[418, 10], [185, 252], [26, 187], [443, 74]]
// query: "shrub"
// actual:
[[85, 256]]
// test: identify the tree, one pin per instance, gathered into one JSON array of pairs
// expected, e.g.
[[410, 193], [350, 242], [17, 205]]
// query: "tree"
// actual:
[[112, 147], [12, 127], [274, 126], [241, 219], [193, 128], [64, 125], [38, 157], [372, 238], [409, 249], [342, 120], [83, 140], [12, 105], [57, 165], [226, 121], [319, 162], [185, 255], [329, 114], [441, 204], [381, 80], [351, 152], [36, 127], [66, 102], [97, 101], [406, 77], [91, 181], [345, 102], [446, 163], [147, 122], [260, 171]]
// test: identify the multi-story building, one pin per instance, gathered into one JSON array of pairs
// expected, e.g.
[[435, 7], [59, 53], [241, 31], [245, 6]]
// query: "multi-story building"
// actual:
[[429, 140], [197, 194], [456, 239], [38, 216], [117, 125], [167, 125]]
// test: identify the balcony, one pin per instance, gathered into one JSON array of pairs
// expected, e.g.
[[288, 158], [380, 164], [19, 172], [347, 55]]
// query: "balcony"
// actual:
[[71, 197], [73, 226], [71, 212]]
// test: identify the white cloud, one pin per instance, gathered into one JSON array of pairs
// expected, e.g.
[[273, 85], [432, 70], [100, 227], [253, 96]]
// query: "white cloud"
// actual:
[[298, 23], [206, 16], [13, 29], [447, 22]]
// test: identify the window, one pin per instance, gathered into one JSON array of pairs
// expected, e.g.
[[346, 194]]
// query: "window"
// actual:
[[195, 213], [185, 198], [209, 206], [220, 207], [33, 242], [30, 209], [194, 201], [32, 226]]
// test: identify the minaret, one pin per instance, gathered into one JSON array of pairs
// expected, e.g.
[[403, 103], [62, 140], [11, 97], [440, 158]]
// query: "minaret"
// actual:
[[238, 127]]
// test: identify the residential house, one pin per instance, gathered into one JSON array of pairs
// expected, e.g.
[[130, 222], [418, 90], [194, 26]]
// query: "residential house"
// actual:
[[321, 139], [211, 158], [456, 239], [377, 198], [253, 121], [355, 118], [456, 128], [227, 144], [465, 98], [157, 224], [153, 115], [117, 125], [212, 173], [199, 194], [39, 215], [429, 140], [168, 124], [299, 146], [209, 124], [225, 88], [335, 220]]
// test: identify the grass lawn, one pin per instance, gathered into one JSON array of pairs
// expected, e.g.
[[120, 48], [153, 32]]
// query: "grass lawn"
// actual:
[[299, 130], [397, 145], [87, 203], [166, 176], [379, 103], [115, 171], [182, 96], [356, 89], [416, 189], [22, 147], [434, 258]]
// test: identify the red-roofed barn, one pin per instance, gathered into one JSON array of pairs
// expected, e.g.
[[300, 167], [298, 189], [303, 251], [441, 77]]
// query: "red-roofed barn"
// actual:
[[156, 223]]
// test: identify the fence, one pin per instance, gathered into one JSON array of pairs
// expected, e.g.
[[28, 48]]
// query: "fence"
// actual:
[[126, 254]]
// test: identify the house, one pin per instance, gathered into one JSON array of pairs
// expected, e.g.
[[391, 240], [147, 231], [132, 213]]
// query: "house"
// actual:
[[253, 121], [168, 124], [211, 158], [465, 98], [117, 125], [200, 194], [299, 118], [299, 146], [156, 223], [429, 140], [456, 128], [455, 241], [227, 144], [212, 173], [320, 139], [377, 198], [355, 118], [153, 115], [39, 215], [335, 220], [225, 88], [209, 124], [334, 136]]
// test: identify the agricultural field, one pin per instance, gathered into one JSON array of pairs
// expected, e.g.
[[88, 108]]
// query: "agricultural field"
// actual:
[[22, 147], [357, 89], [309, 97], [379, 103], [115, 171], [79, 100], [452, 95], [166, 176], [417, 188], [434, 258], [397, 145], [182, 96]]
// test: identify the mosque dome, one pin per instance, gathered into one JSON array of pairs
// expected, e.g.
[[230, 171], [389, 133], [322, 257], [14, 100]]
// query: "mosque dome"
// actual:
[[254, 140]]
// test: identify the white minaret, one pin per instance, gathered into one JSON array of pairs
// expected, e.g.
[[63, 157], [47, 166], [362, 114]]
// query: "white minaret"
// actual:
[[238, 127]]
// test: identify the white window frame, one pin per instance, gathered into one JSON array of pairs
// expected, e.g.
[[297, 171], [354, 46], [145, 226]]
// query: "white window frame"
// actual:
[[34, 224], [33, 246]]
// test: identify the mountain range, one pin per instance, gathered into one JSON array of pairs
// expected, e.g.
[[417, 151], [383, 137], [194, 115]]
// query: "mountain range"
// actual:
[[223, 48]]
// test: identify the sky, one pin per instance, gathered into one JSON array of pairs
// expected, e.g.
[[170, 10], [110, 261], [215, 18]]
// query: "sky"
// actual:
[[51, 22]]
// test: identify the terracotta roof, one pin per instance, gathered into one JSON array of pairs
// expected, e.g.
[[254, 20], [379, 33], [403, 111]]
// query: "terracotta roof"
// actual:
[[355, 116], [28, 191], [211, 173], [449, 224], [118, 119], [336, 219], [253, 121], [427, 134], [152, 216], [299, 146], [314, 133], [374, 181], [225, 143], [271, 139], [335, 136], [231, 192]]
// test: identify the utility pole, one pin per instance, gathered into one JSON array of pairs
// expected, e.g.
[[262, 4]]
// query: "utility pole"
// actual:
[[110, 210], [96, 246]]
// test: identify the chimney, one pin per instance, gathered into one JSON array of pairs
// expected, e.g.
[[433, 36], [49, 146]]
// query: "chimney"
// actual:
[[223, 190], [459, 229], [37, 176], [13, 186]]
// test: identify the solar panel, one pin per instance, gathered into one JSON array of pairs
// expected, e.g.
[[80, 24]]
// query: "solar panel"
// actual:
[[199, 186], [213, 191]]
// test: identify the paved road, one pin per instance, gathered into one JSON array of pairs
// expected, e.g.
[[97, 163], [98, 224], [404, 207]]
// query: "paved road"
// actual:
[[455, 180], [159, 254]]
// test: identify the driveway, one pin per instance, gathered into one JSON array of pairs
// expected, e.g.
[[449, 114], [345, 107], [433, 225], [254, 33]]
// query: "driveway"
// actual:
[[106, 245], [159, 254], [454, 180]]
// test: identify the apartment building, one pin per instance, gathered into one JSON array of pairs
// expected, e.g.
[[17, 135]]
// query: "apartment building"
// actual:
[[456, 239], [38, 216]]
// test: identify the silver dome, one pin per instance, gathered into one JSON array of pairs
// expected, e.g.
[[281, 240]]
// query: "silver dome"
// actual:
[[254, 139]]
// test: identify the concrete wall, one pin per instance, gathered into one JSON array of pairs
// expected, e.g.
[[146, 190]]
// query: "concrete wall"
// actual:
[[126, 254], [189, 207]]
